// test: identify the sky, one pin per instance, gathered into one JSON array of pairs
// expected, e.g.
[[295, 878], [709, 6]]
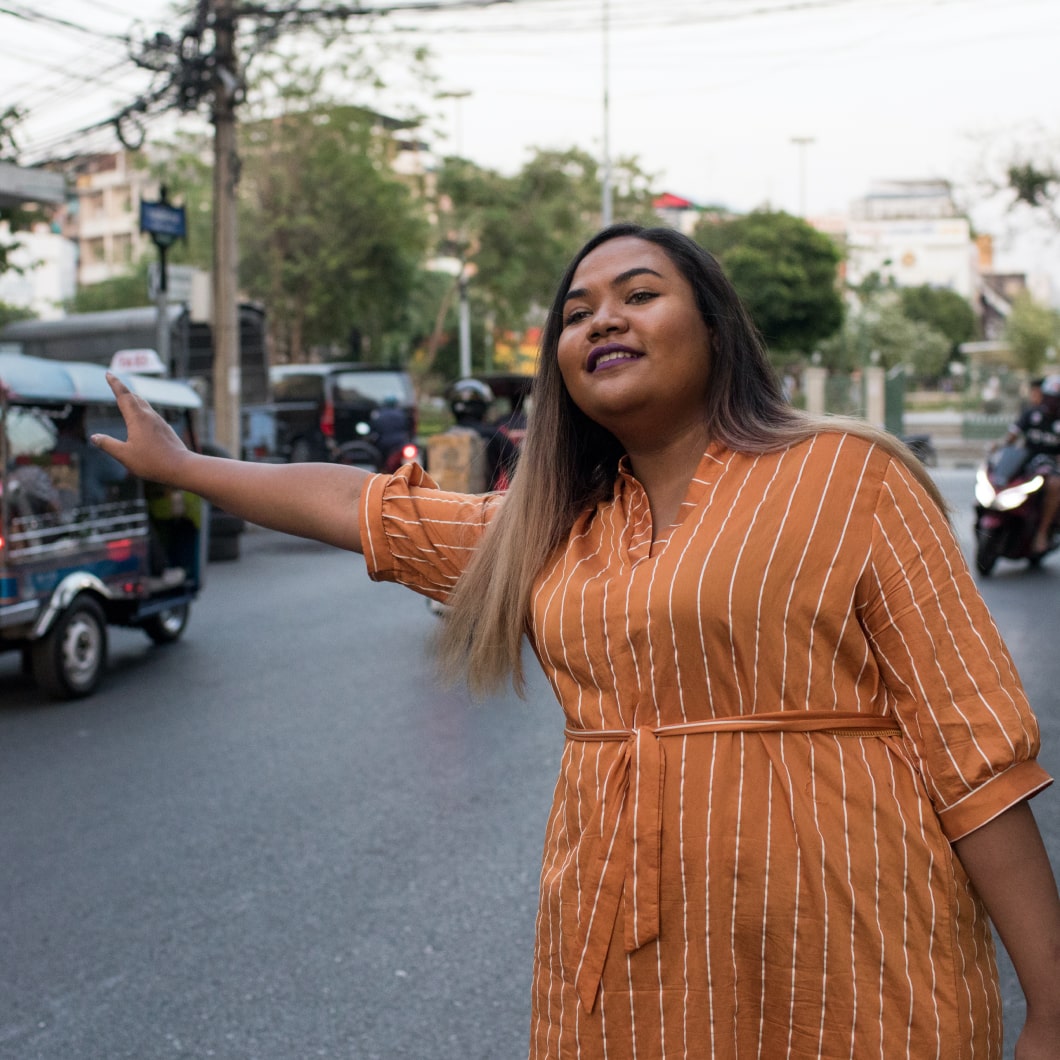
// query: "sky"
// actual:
[[708, 95]]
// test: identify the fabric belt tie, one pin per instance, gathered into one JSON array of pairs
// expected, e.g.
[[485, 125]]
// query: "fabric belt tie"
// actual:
[[624, 840]]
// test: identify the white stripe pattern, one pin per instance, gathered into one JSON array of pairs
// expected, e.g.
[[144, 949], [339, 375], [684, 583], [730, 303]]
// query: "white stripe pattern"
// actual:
[[809, 903]]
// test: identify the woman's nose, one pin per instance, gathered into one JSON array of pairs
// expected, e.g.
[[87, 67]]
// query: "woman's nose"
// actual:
[[607, 320]]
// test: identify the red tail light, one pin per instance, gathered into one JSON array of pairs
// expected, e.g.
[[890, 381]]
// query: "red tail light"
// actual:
[[119, 550], [327, 420], [410, 452]]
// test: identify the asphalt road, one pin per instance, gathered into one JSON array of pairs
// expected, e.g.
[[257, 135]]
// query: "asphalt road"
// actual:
[[281, 839]]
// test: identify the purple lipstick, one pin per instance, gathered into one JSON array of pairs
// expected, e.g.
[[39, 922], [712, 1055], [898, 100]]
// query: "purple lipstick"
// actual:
[[610, 354]]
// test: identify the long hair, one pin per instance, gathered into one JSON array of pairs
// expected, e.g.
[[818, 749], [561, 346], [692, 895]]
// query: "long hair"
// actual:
[[568, 462]]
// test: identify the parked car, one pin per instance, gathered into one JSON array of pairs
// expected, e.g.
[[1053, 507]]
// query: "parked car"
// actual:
[[322, 411]]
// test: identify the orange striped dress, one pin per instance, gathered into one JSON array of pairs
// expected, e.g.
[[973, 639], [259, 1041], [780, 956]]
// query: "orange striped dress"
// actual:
[[778, 718]]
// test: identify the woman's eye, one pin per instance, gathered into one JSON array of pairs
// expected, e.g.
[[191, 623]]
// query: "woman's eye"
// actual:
[[640, 297], [574, 316]]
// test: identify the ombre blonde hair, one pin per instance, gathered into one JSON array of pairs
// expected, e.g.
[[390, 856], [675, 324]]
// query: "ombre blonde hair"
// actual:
[[568, 462]]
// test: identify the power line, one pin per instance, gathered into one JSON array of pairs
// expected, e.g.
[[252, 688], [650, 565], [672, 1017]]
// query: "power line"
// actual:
[[28, 15]]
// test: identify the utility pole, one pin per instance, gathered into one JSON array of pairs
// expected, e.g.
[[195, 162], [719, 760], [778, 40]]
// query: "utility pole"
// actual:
[[227, 382], [606, 210]]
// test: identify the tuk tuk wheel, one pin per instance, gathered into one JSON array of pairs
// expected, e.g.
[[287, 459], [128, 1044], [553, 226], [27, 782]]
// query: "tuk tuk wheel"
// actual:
[[167, 626], [68, 661]]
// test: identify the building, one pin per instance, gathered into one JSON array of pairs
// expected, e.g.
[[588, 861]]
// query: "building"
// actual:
[[43, 262], [910, 232], [102, 214], [44, 273]]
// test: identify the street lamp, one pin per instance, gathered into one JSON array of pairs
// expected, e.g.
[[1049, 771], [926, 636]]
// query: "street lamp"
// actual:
[[802, 142]]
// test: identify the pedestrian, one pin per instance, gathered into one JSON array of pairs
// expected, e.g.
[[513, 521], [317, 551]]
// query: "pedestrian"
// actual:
[[794, 788]]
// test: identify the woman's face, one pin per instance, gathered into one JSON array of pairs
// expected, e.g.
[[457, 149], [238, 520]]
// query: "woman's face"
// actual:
[[634, 351]]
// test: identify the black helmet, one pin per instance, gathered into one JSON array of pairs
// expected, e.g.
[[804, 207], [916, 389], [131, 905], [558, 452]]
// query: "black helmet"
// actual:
[[469, 397]]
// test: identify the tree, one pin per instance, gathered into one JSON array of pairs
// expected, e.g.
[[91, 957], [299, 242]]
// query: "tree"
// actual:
[[1019, 169], [786, 273], [1031, 330], [119, 292], [879, 332], [944, 310], [10, 313], [331, 239], [519, 232]]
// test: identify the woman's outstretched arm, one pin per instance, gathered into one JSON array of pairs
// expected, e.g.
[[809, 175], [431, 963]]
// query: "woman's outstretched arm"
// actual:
[[1008, 865], [319, 501]]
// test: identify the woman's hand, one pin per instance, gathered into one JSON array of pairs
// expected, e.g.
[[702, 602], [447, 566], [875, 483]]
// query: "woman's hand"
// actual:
[[153, 450]]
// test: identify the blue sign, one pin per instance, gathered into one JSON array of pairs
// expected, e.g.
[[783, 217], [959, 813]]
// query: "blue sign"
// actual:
[[165, 222]]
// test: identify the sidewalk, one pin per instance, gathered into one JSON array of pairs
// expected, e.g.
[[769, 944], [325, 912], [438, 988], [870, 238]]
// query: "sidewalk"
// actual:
[[946, 431]]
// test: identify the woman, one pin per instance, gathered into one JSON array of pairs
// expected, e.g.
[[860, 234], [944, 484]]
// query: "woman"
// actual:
[[798, 754]]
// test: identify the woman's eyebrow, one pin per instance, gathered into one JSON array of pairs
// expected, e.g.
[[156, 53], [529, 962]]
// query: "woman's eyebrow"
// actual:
[[637, 270]]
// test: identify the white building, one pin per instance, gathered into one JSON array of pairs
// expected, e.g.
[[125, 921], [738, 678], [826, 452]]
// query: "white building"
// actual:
[[910, 232], [44, 273], [103, 215], [43, 263]]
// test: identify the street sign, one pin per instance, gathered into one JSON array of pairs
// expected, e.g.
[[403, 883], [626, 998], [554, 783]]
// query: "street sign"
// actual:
[[179, 282], [164, 222]]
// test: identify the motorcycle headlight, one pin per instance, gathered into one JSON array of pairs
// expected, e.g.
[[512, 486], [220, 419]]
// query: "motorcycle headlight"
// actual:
[[984, 492], [1014, 496]]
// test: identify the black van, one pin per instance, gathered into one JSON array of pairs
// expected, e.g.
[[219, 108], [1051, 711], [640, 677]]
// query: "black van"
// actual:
[[324, 410]]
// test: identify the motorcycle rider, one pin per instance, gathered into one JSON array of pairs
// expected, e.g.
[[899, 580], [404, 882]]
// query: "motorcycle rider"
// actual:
[[469, 400], [1039, 426]]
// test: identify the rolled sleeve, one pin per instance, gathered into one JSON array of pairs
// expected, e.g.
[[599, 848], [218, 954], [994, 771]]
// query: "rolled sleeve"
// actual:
[[420, 536], [950, 680]]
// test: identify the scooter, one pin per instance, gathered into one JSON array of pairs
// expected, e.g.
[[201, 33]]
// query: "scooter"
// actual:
[[1008, 506], [368, 453]]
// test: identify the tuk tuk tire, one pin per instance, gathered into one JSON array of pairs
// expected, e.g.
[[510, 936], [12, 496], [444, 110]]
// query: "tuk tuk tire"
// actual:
[[165, 627], [69, 660]]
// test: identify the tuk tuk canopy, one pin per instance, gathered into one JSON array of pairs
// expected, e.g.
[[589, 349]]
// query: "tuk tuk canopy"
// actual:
[[24, 378]]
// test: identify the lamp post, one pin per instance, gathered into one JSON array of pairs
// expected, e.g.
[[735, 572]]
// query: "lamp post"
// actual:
[[802, 142], [606, 211]]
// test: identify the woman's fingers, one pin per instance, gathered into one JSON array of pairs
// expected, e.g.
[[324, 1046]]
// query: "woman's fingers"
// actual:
[[150, 438]]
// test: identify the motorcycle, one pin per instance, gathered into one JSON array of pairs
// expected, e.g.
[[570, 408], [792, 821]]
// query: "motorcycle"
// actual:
[[1008, 506], [369, 454]]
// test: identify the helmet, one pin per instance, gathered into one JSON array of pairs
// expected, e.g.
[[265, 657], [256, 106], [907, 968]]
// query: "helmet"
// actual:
[[1051, 386], [469, 397]]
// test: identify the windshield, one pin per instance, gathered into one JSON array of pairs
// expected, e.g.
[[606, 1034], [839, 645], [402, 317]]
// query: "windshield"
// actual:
[[379, 387]]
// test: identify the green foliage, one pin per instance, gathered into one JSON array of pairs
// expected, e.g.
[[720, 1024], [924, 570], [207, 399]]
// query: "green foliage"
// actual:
[[519, 232], [1031, 184], [1031, 330], [785, 272], [10, 313], [331, 239], [946, 311], [119, 292], [185, 166], [881, 333]]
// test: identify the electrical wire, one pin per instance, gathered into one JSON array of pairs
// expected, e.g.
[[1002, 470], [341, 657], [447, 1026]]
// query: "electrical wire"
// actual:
[[466, 18]]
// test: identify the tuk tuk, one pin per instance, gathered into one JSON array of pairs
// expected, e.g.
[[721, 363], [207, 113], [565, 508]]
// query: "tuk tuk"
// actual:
[[84, 544]]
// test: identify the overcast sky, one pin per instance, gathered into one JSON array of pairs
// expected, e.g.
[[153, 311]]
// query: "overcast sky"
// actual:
[[708, 94]]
